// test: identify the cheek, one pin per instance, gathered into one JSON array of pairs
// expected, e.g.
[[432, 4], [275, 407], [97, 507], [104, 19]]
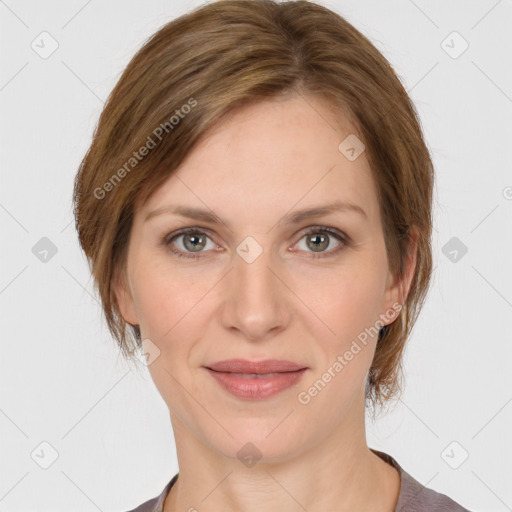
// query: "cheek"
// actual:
[[167, 299], [172, 315], [345, 301], [347, 305]]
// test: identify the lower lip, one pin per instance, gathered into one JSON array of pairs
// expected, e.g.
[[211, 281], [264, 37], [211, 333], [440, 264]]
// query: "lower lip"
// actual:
[[256, 387]]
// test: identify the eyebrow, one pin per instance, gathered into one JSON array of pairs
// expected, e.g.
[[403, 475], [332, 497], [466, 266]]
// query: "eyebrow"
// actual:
[[290, 219]]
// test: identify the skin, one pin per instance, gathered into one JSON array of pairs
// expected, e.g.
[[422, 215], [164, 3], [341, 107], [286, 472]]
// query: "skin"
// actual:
[[260, 164]]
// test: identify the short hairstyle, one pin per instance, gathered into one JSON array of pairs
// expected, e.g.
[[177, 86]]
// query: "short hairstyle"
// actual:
[[210, 62]]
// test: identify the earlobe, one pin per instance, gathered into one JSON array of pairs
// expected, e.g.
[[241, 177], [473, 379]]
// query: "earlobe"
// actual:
[[124, 299]]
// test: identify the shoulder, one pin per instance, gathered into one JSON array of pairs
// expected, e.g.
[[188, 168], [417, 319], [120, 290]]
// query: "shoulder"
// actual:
[[156, 504], [147, 506], [415, 497]]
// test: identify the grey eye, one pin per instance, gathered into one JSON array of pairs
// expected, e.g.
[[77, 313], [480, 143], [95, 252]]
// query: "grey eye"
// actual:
[[192, 242], [319, 241]]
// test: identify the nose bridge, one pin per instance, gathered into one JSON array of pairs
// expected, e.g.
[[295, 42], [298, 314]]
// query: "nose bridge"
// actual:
[[255, 274], [256, 302]]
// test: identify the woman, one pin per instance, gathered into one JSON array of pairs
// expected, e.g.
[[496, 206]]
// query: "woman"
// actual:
[[256, 210]]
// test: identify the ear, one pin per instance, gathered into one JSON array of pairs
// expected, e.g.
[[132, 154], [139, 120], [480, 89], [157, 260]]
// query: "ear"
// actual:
[[397, 290], [124, 298]]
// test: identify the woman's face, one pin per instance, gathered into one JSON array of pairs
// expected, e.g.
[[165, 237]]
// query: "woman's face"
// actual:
[[257, 286]]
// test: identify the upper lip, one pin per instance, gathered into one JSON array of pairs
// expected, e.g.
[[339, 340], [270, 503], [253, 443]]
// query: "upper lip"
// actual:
[[260, 367]]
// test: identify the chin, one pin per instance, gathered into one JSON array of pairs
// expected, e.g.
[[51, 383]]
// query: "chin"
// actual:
[[264, 440]]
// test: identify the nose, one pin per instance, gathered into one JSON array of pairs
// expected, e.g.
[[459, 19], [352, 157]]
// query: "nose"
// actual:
[[256, 298]]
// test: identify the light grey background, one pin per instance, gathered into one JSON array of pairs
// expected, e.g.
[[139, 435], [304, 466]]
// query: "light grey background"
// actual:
[[62, 380]]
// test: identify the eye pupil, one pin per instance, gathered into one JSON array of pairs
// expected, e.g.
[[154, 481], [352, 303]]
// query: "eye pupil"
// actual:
[[323, 244]]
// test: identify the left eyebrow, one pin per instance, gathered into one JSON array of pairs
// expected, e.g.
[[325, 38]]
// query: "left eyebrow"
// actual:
[[319, 211], [290, 219]]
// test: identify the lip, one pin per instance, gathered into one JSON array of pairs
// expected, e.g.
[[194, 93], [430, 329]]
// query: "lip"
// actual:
[[245, 366], [237, 377]]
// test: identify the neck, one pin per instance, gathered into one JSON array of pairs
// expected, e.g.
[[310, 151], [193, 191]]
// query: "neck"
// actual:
[[341, 473]]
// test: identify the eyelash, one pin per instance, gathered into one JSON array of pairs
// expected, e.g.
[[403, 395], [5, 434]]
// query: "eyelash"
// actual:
[[341, 237]]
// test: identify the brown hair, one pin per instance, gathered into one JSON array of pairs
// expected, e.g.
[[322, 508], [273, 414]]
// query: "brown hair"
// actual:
[[207, 63]]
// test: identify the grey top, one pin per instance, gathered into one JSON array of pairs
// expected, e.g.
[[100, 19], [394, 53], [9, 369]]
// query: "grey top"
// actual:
[[413, 496]]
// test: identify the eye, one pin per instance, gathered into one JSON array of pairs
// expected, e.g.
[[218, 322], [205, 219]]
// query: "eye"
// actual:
[[318, 239], [191, 240]]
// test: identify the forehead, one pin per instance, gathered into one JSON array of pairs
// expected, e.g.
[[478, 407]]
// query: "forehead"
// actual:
[[271, 157]]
